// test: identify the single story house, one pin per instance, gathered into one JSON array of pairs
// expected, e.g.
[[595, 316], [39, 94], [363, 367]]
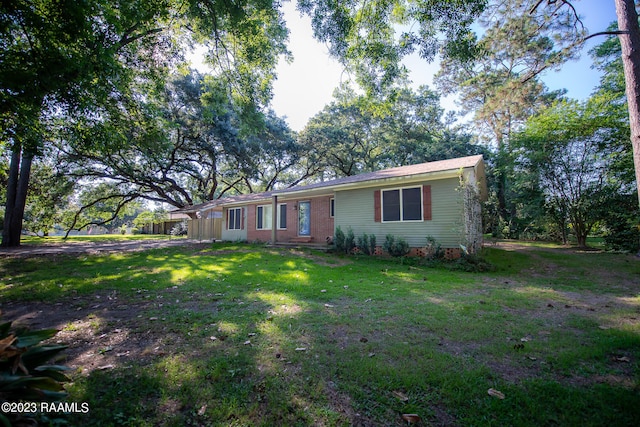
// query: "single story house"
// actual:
[[439, 200]]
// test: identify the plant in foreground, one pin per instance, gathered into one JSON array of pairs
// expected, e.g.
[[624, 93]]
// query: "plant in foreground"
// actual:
[[25, 375]]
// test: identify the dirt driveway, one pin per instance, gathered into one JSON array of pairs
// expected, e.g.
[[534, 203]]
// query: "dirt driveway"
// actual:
[[96, 247]]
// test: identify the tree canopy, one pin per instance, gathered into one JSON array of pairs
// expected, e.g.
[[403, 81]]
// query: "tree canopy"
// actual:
[[69, 59]]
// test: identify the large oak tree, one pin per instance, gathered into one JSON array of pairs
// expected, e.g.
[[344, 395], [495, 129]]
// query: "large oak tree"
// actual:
[[64, 57]]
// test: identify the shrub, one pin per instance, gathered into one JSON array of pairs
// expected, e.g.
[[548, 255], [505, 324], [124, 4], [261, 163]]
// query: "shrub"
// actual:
[[472, 264], [180, 229], [349, 241], [372, 244], [621, 223], [25, 375], [396, 247], [338, 240], [367, 244], [433, 249]]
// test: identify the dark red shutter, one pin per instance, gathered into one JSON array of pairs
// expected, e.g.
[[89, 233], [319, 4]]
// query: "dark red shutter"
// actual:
[[377, 211], [426, 202]]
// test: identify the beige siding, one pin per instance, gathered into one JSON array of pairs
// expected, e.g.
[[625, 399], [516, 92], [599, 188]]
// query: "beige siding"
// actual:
[[205, 229], [354, 208], [234, 235]]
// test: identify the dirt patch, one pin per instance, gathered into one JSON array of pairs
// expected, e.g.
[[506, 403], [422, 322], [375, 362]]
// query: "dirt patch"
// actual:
[[93, 248], [320, 260], [103, 330]]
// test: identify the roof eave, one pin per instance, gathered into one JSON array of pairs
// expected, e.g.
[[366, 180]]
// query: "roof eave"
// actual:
[[330, 189]]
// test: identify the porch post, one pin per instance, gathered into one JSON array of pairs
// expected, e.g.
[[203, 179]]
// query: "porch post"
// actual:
[[274, 219]]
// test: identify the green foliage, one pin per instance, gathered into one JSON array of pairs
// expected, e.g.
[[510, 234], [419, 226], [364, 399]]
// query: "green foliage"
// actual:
[[68, 65], [147, 218], [363, 34], [367, 244], [180, 229], [338, 239], [185, 143], [103, 204], [395, 246], [360, 133], [383, 319], [344, 243], [502, 88], [48, 197], [25, 375], [569, 151], [433, 249], [349, 241], [621, 223]]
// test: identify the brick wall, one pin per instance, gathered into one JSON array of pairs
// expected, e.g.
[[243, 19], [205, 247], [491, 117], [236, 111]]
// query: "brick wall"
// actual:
[[322, 225]]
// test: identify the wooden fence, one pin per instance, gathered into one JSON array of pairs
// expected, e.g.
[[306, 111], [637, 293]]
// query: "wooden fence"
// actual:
[[204, 229]]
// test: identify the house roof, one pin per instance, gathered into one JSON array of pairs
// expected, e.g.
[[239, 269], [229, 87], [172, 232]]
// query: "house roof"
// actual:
[[422, 170], [244, 198], [450, 165]]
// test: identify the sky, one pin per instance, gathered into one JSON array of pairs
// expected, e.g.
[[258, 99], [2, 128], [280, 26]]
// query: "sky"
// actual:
[[306, 85]]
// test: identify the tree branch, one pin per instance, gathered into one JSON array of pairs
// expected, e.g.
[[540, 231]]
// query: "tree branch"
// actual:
[[126, 198]]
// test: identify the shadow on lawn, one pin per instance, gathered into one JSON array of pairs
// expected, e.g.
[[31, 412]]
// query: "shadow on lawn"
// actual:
[[261, 338]]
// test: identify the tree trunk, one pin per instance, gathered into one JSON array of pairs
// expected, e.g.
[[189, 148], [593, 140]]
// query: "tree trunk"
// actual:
[[18, 183], [630, 42]]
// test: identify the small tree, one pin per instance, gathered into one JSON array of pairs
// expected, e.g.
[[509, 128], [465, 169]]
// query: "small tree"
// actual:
[[568, 151]]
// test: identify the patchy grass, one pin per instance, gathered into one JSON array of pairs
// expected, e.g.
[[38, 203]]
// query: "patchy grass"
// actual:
[[246, 335]]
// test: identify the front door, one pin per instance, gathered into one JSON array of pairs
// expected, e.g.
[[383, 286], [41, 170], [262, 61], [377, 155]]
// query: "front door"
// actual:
[[304, 218]]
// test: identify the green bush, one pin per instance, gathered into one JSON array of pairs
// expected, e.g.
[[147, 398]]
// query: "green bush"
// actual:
[[367, 244], [396, 247], [622, 224], [180, 229], [344, 242], [338, 239], [25, 375], [349, 241], [433, 249]]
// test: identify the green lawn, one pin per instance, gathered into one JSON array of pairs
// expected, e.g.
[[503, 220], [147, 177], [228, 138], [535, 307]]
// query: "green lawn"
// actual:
[[240, 335]]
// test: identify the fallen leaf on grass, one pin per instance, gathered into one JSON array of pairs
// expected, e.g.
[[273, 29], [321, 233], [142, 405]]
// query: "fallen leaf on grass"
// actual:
[[301, 349], [105, 367], [202, 410], [495, 393], [623, 359], [400, 395], [411, 418]]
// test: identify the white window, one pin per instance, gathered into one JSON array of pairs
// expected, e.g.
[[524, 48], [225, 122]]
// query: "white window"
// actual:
[[402, 204], [264, 217], [282, 217], [234, 219]]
